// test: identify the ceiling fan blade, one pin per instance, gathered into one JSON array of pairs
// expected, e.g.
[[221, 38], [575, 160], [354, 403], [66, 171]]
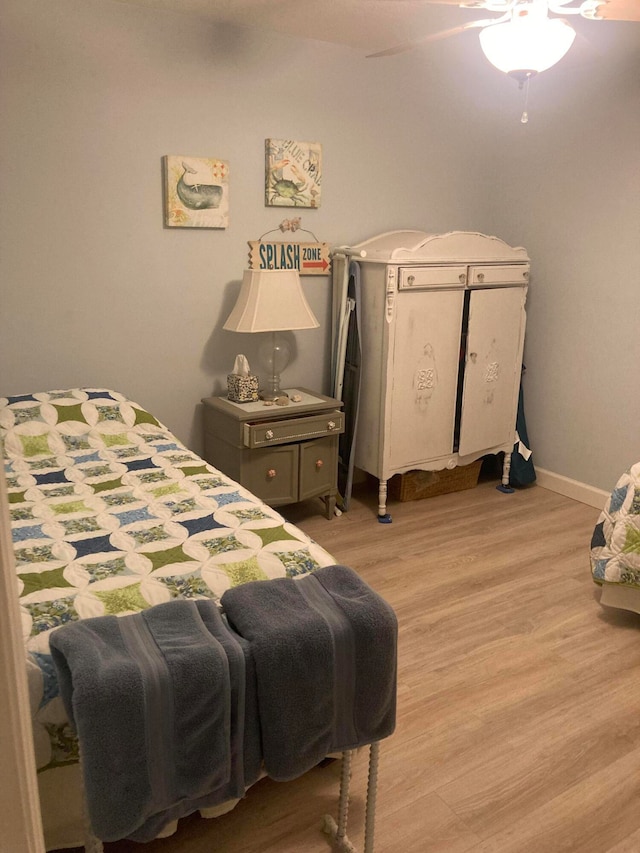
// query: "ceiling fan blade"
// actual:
[[480, 4], [443, 34], [487, 5], [466, 4], [618, 10]]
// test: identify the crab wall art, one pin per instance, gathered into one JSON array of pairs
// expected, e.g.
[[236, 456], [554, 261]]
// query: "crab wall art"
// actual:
[[293, 173], [196, 192]]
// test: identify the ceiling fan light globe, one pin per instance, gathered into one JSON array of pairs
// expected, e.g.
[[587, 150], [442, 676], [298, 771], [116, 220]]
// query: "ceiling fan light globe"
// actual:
[[526, 44]]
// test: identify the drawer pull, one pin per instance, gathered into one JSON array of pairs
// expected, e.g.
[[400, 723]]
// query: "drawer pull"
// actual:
[[319, 463], [480, 276], [269, 434], [331, 425], [462, 278], [271, 473]]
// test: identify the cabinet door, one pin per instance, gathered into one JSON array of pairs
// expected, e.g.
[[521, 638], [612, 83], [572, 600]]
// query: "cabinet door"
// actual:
[[426, 356], [318, 467], [272, 474], [492, 368]]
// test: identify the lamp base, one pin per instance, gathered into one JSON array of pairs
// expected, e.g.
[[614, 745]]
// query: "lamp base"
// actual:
[[272, 396], [274, 354]]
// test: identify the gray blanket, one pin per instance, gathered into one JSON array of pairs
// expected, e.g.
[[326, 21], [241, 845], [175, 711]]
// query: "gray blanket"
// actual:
[[163, 702], [325, 650]]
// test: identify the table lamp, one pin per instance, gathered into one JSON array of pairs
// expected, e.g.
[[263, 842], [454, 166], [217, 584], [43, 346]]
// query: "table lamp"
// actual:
[[271, 301]]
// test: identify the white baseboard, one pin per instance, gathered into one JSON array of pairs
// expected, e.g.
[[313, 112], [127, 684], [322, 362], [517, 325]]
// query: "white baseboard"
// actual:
[[571, 488]]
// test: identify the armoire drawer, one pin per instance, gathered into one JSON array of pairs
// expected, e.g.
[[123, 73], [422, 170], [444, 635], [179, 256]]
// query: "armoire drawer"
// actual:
[[496, 275], [412, 278]]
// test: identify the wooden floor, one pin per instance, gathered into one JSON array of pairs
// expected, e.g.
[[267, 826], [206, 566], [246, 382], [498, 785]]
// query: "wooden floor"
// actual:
[[518, 699]]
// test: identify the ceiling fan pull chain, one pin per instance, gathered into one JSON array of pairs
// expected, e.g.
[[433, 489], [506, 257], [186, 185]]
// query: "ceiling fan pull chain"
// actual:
[[524, 118]]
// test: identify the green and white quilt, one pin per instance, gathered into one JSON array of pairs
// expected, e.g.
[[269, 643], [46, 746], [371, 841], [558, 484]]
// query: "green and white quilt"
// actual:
[[111, 514], [615, 545]]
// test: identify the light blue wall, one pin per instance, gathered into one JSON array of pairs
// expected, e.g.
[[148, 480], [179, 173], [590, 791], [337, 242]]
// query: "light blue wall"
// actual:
[[94, 290], [570, 190]]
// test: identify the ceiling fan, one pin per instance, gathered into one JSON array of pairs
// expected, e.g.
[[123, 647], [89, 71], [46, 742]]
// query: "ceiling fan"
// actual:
[[524, 39]]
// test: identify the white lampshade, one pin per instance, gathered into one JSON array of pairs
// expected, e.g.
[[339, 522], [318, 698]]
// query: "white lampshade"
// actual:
[[271, 301], [528, 44]]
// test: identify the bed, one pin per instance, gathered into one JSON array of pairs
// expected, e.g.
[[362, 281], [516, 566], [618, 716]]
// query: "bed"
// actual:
[[615, 545], [111, 514]]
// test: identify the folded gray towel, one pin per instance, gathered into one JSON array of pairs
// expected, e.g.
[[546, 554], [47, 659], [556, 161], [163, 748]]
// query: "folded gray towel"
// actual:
[[325, 649], [150, 696]]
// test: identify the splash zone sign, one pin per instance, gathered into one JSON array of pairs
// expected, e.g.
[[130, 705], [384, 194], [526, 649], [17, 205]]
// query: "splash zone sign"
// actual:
[[307, 258]]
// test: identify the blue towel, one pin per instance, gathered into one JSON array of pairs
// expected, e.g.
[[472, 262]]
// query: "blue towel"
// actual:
[[325, 650], [158, 700]]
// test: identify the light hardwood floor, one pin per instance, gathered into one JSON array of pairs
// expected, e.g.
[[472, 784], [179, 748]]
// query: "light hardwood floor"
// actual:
[[518, 697]]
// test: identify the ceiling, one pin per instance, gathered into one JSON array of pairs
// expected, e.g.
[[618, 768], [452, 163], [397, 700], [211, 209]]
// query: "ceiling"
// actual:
[[366, 25], [371, 25]]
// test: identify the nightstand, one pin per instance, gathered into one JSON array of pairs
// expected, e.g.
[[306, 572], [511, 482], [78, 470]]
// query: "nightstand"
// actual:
[[283, 454]]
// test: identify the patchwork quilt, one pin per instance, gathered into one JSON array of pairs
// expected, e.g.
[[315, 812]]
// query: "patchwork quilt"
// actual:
[[111, 514], [615, 546]]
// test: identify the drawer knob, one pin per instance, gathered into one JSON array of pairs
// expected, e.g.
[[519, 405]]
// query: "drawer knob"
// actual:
[[411, 279], [268, 434], [271, 473], [319, 463], [462, 278], [480, 276], [331, 425]]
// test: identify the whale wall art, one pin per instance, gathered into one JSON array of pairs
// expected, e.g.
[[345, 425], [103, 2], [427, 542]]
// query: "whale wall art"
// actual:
[[196, 192]]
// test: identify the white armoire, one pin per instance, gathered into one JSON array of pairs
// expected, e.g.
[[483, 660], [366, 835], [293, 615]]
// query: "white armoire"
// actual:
[[433, 325]]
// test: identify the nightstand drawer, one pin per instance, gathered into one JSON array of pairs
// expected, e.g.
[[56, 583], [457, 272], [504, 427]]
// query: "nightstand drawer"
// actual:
[[264, 434]]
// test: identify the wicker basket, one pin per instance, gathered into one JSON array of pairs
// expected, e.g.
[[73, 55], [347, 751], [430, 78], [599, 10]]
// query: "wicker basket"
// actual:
[[415, 485]]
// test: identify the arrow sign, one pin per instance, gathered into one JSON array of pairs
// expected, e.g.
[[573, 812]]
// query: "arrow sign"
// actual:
[[309, 265], [307, 258]]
